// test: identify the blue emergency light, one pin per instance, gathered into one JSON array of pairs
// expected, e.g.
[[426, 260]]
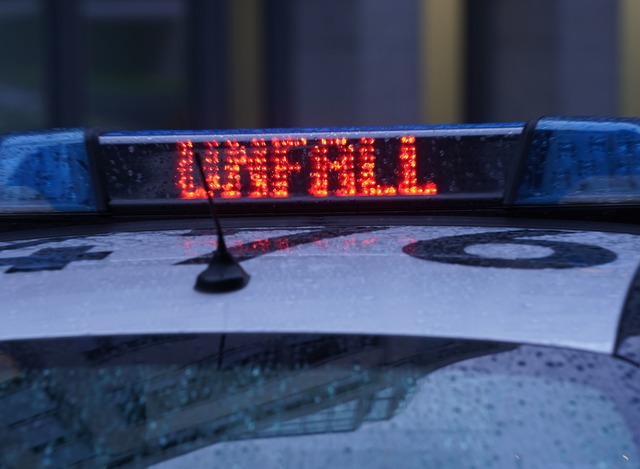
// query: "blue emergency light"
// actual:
[[578, 160], [46, 171]]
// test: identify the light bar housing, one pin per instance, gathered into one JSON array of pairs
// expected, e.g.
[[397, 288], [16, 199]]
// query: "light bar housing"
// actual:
[[549, 162]]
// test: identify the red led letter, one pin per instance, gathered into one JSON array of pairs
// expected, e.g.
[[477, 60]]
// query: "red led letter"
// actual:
[[367, 184], [185, 170], [321, 165], [257, 167], [408, 178], [255, 164], [211, 164], [281, 165], [235, 156]]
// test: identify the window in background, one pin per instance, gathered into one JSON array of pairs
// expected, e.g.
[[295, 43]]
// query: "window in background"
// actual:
[[442, 49], [137, 63], [629, 37], [21, 65], [358, 67], [546, 57]]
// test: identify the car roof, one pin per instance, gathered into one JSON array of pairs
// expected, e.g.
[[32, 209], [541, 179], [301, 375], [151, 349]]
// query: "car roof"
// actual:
[[542, 285]]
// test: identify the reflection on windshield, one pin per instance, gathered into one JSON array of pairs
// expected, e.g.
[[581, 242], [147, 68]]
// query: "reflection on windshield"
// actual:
[[628, 340], [140, 400]]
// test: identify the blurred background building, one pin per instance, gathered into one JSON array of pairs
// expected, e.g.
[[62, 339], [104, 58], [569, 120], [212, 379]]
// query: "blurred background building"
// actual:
[[266, 63]]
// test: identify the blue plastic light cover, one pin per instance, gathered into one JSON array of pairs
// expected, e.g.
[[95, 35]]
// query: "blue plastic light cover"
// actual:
[[45, 172], [581, 161]]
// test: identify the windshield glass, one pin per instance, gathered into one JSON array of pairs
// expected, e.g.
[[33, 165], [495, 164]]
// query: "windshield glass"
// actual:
[[244, 400]]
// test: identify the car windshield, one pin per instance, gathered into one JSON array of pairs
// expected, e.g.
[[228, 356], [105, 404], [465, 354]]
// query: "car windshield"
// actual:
[[240, 400]]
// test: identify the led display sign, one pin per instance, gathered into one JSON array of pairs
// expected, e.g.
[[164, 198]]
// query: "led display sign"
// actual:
[[335, 166], [317, 164]]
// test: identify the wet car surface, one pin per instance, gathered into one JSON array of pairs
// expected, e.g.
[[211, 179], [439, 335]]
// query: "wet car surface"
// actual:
[[485, 317]]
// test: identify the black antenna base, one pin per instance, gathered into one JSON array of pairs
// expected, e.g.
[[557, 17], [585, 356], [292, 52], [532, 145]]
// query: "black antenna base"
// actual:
[[223, 275]]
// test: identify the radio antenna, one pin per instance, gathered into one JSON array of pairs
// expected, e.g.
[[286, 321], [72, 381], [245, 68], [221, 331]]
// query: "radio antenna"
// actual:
[[224, 273]]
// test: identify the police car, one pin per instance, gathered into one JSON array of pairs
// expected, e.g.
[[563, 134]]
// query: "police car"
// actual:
[[440, 296]]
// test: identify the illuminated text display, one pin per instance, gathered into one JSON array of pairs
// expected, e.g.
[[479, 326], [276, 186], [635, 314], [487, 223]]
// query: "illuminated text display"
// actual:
[[293, 167], [432, 164]]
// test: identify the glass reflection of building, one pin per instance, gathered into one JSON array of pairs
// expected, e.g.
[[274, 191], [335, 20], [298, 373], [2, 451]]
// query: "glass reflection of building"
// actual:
[[119, 405]]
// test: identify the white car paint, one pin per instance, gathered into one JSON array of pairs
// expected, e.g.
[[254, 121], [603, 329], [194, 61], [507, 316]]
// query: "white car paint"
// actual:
[[360, 283]]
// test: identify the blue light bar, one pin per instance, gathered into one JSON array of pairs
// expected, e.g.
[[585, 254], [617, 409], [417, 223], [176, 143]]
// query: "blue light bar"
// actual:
[[551, 161], [45, 172], [579, 161]]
